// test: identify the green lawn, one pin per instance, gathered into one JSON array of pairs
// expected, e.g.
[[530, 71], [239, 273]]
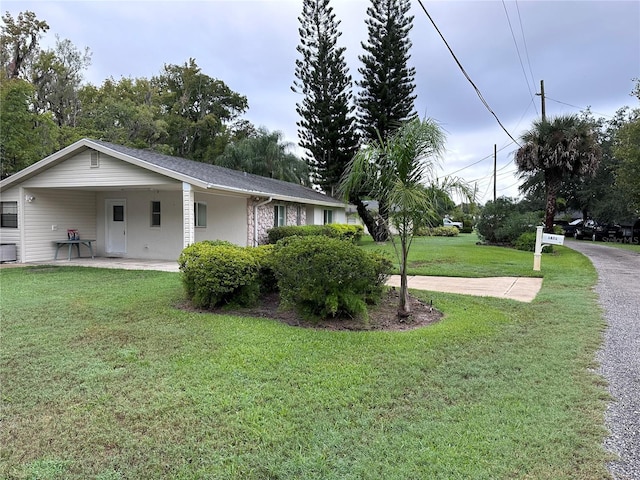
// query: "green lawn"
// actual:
[[103, 377], [461, 257]]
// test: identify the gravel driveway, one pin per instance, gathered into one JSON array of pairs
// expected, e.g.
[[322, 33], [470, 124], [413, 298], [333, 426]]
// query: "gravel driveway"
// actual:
[[619, 292]]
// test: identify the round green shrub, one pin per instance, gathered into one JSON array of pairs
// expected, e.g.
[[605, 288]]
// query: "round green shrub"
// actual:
[[322, 276], [526, 242], [216, 273]]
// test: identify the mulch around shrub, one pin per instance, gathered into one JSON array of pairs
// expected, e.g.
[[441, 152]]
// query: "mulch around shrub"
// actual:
[[383, 316]]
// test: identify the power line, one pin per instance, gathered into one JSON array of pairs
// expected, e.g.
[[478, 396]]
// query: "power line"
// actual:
[[478, 161], [469, 166], [526, 50], [465, 73], [510, 186], [575, 106], [526, 79]]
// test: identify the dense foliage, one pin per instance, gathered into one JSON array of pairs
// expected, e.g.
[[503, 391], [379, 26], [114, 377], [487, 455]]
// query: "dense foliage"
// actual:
[[318, 275], [215, 273], [266, 154], [438, 232], [352, 233], [503, 221], [322, 276]]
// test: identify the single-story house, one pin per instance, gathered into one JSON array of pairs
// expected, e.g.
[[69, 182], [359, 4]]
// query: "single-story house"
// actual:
[[141, 204]]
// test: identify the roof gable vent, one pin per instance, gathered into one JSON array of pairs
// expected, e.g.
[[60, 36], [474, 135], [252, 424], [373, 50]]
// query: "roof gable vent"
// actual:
[[95, 159]]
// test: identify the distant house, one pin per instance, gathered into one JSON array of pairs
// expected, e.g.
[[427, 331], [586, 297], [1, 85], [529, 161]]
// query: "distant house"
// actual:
[[141, 204]]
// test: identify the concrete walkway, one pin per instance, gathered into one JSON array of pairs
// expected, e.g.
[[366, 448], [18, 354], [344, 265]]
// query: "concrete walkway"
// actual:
[[523, 289]]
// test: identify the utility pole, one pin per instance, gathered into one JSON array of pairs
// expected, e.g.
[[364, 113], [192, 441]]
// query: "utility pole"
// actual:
[[495, 161], [544, 114]]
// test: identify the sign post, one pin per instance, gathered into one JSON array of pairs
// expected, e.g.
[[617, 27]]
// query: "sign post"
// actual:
[[542, 240]]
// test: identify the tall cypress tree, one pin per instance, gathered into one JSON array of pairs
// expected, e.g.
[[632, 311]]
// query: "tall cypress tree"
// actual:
[[327, 127], [386, 99]]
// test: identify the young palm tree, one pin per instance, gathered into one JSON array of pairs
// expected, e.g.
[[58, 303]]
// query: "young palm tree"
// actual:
[[559, 149], [397, 170]]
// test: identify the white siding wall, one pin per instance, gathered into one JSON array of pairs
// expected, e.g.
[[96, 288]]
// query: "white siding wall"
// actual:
[[143, 240], [226, 218], [50, 215], [315, 215], [77, 172]]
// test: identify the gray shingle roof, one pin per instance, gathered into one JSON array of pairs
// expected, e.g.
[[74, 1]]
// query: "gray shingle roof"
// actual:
[[223, 177]]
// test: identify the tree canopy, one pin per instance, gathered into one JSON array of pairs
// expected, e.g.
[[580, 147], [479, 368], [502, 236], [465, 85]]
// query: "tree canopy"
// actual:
[[627, 177], [265, 153], [561, 148], [19, 41]]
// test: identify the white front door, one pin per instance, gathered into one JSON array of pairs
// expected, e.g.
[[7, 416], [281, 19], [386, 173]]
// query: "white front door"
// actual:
[[116, 229]]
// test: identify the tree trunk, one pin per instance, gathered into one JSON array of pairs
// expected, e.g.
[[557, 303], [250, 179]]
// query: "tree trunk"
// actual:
[[377, 229], [404, 308], [383, 214], [550, 210]]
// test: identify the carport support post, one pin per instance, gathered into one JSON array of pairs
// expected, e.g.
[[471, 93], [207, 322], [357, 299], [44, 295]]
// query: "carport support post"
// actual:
[[188, 226], [537, 253]]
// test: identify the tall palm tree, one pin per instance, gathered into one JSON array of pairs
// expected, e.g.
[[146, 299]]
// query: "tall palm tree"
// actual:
[[397, 170], [265, 154], [561, 148]]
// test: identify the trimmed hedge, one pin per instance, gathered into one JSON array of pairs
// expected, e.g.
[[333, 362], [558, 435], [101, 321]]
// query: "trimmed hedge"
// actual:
[[216, 273], [352, 233], [440, 232], [321, 276]]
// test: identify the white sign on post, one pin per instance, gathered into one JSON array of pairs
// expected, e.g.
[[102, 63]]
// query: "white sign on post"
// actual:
[[543, 239], [550, 239]]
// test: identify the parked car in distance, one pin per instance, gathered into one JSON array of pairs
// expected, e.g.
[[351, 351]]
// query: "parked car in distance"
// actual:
[[570, 228], [447, 222], [591, 230]]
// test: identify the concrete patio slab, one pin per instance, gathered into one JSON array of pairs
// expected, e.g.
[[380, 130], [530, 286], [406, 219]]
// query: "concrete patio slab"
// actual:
[[106, 262]]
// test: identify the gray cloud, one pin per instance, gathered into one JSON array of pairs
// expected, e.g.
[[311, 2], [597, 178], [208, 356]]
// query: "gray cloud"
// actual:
[[587, 52]]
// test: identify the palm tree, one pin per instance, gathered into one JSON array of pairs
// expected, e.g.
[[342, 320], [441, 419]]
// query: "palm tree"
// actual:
[[396, 170], [265, 154], [559, 149]]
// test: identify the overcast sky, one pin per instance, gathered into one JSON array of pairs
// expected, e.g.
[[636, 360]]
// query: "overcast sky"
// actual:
[[587, 53]]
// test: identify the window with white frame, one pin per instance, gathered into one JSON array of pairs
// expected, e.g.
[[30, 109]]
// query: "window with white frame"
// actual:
[[279, 215], [9, 214], [298, 215], [200, 214], [155, 214], [328, 216]]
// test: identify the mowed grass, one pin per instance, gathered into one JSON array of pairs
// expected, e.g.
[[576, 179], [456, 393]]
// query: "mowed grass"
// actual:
[[460, 257], [104, 377]]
